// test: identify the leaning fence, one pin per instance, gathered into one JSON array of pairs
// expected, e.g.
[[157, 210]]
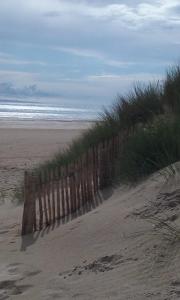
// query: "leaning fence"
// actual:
[[55, 193]]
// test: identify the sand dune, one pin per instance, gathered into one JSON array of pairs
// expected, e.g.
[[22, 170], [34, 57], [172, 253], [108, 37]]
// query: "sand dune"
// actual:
[[113, 252]]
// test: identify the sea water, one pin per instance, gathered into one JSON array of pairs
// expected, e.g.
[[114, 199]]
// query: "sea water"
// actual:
[[37, 110]]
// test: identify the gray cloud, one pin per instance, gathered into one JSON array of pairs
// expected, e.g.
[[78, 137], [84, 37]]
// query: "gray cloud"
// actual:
[[8, 89], [102, 88], [110, 42]]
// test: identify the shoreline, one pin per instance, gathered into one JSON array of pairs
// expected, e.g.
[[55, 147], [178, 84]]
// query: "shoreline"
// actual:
[[46, 124]]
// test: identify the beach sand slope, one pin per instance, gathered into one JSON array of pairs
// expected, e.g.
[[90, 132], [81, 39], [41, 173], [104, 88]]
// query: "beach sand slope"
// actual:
[[116, 251], [112, 252]]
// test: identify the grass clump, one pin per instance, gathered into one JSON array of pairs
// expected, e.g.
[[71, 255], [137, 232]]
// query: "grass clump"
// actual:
[[138, 107], [150, 148], [171, 95], [149, 115]]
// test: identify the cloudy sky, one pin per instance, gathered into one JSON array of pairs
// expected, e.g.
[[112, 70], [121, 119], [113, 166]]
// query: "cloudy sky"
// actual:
[[86, 50]]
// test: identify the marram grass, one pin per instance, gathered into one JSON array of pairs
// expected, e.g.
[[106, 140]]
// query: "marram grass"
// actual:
[[150, 113]]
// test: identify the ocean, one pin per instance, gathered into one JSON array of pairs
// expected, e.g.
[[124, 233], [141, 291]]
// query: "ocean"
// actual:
[[34, 110]]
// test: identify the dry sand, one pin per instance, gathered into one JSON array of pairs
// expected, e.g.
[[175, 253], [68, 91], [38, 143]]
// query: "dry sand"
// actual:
[[112, 252], [25, 144]]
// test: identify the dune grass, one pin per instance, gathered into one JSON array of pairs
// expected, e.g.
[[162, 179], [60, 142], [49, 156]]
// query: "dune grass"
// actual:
[[150, 116], [171, 90], [149, 149]]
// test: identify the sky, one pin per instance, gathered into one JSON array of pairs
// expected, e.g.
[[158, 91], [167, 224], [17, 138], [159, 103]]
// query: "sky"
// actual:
[[86, 50]]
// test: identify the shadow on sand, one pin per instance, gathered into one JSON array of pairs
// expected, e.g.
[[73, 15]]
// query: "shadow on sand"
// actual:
[[30, 239]]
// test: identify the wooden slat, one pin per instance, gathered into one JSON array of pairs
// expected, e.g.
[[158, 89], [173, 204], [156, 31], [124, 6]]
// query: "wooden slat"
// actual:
[[90, 175], [48, 190], [27, 222], [101, 166], [91, 178], [83, 191], [71, 198], [62, 192], [33, 200], [73, 187], [88, 180], [53, 187], [107, 164], [66, 187], [77, 184], [85, 180], [94, 170], [40, 202], [57, 173], [43, 174]]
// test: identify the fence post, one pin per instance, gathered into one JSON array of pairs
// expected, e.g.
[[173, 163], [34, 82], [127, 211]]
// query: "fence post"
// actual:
[[101, 167], [48, 189], [66, 186], [57, 174], [78, 184], [95, 170], [74, 198], [83, 188], [40, 201], [62, 192], [52, 192], [44, 188], [28, 213], [70, 187], [90, 175]]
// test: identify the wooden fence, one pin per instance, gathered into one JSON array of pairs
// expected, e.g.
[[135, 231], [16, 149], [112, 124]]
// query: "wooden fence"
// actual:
[[56, 193]]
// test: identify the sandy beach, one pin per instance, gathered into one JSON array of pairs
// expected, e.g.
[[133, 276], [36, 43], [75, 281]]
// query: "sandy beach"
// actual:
[[24, 144], [113, 252]]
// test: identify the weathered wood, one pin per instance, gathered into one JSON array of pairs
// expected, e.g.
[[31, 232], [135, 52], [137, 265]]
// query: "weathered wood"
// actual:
[[52, 180], [95, 182], [88, 180], [82, 179], [108, 163], [77, 185], [44, 179], [71, 196], [62, 192], [91, 178], [33, 199], [90, 175], [49, 190], [28, 220], [99, 165], [40, 202], [66, 187], [96, 174], [73, 187], [57, 173], [104, 174], [113, 155]]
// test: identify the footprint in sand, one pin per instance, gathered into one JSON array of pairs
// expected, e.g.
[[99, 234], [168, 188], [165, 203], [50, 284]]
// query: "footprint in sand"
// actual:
[[32, 273], [10, 280], [11, 287]]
